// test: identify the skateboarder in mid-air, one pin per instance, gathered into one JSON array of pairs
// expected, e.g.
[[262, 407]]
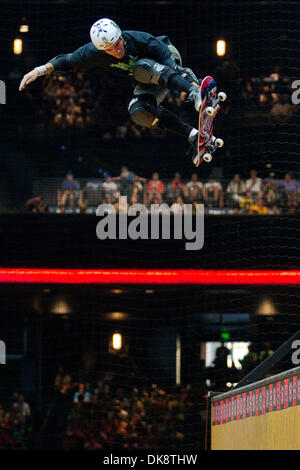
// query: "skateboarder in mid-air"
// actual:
[[154, 63]]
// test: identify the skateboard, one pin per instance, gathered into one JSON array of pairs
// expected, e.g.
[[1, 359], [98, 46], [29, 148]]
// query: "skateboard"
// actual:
[[207, 143]]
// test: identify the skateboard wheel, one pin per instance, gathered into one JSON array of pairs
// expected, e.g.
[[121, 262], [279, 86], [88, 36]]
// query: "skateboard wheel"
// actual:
[[222, 95], [207, 157], [219, 143], [210, 110]]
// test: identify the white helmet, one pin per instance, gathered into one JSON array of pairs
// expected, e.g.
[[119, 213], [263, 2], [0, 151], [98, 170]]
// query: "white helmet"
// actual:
[[104, 33]]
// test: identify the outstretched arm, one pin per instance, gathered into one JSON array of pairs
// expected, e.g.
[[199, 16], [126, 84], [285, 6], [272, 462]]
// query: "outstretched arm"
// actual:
[[35, 73], [84, 57]]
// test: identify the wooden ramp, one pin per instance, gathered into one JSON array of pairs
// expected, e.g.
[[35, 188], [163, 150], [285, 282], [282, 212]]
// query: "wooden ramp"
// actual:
[[262, 416]]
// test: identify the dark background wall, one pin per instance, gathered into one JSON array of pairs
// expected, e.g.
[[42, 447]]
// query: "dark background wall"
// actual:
[[230, 242]]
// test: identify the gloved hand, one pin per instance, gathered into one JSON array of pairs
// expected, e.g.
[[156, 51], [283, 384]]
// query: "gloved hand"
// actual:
[[186, 73]]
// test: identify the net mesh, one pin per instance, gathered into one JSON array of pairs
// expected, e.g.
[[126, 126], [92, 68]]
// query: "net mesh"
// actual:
[[178, 342]]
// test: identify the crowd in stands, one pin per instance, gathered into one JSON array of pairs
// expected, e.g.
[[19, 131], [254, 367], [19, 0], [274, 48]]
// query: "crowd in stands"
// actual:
[[106, 413], [110, 411], [250, 196], [81, 100], [271, 94], [105, 416], [15, 423]]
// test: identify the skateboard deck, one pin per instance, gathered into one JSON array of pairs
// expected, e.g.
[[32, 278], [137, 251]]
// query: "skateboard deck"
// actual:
[[210, 102]]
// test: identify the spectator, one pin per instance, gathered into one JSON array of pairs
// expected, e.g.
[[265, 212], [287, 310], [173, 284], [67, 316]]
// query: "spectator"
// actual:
[[246, 209], [234, 190], [155, 188], [194, 189], [213, 193], [289, 190], [82, 396], [83, 201], [254, 184], [178, 206], [269, 193], [127, 179], [22, 406], [275, 210], [62, 379], [37, 205], [110, 188], [137, 193], [266, 352], [250, 361], [159, 210], [275, 75], [260, 207], [69, 189], [282, 110], [175, 188], [121, 205], [290, 185]]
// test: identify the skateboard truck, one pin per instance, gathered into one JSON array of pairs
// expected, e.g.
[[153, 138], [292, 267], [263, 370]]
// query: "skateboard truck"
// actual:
[[212, 110]]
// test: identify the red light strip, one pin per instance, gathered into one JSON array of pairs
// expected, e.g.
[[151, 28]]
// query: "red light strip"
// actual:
[[142, 276]]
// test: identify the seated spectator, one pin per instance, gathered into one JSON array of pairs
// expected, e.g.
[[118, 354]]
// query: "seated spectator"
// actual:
[[108, 199], [194, 188], [292, 209], [158, 209], [22, 406], [290, 185], [275, 75], [127, 179], [37, 204], [121, 205], [196, 204], [82, 396], [62, 379], [83, 201], [213, 193], [254, 184], [234, 190], [269, 193], [282, 109], [259, 207], [247, 199], [178, 206], [246, 209], [155, 188], [69, 189], [110, 188], [264, 95], [137, 196], [175, 188], [275, 210]]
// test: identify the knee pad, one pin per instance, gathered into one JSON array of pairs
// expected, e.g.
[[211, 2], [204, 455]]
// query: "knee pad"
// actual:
[[150, 72], [143, 113]]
